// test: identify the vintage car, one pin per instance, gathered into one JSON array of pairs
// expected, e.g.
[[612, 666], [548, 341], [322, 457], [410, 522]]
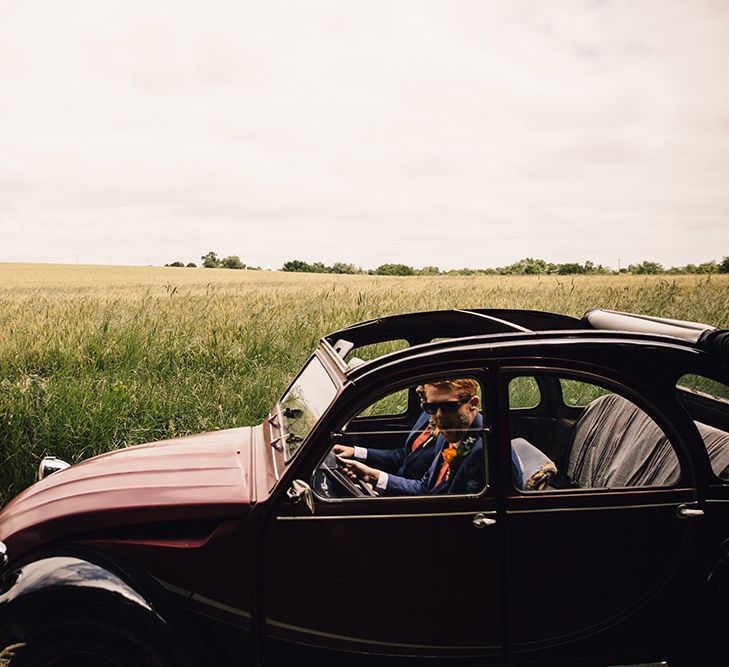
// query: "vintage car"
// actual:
[[250, 546]]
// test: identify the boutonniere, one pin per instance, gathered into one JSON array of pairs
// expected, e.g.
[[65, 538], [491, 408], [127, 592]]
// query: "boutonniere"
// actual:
[[464, 447], [453, 456], [449, 453]]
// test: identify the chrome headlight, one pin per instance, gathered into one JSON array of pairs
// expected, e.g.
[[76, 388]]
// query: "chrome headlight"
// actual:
[[49, 465]]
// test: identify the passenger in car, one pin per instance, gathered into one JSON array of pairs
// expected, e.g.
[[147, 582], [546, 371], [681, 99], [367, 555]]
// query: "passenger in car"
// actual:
[[412, 460]]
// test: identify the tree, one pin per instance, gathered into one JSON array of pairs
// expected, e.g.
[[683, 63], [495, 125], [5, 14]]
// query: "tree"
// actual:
[[724, 266], [570, 268], [528, 266], [341, 267], [296, 265], [534, 266], [175, 264], [648, 268], [394, 270], [429, 271], [232, 262], [210, 261], [191, 265], [707, 267]]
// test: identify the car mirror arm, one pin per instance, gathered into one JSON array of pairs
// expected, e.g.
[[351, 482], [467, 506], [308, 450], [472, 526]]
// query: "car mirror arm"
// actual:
[[300, 492]]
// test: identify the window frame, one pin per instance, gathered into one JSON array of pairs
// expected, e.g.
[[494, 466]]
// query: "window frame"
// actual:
[[480, 375]]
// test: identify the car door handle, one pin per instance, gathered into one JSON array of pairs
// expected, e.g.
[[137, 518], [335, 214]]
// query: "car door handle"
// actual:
[[686, 512], [482, 521]]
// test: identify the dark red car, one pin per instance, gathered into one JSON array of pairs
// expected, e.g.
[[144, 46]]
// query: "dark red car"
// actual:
[[250, 547]]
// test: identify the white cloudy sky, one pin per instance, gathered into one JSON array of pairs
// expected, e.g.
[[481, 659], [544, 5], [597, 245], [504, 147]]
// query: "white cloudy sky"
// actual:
[[455, 133]]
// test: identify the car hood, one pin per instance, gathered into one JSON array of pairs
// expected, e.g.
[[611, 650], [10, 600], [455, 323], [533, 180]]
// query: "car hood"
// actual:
[[206, 475]]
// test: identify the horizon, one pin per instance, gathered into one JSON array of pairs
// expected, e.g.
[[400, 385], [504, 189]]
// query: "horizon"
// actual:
[[361, 269]]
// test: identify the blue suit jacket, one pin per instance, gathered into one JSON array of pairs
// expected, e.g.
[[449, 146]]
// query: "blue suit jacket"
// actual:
[[404, 462], [468, 478]]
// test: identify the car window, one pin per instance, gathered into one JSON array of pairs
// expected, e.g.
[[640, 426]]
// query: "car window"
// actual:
[[376, 350], [579, 393], [523, 393], [304, 402], [594, 438], [438, 450], [703, 386], [395, 403], [707, 402]]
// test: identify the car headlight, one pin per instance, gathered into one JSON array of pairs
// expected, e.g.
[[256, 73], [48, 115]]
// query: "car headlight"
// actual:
[[49, 465]]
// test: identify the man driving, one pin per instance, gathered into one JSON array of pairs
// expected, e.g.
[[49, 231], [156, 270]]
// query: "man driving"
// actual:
[[458, 463], [412, 460]]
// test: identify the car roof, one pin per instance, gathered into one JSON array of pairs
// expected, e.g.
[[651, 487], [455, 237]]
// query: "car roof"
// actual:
[[451, 328]]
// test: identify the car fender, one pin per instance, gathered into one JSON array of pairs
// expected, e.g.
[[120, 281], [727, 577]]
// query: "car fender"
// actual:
[[61, 589]]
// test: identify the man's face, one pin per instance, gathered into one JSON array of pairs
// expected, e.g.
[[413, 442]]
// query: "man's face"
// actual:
[[451, 424]]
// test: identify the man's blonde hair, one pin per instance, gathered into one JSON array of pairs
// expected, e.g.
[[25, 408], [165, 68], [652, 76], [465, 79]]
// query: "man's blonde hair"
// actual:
[[466, 387]]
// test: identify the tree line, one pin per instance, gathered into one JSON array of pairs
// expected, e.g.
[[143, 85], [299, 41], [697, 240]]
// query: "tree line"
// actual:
[[211, 260], [526, 266]]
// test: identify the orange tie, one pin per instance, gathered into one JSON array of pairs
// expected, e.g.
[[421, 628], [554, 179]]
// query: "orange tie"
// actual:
[[423, 437], [448, 455]]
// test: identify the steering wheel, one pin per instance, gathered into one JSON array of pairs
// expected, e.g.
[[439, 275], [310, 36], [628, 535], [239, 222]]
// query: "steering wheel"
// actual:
[[330, 482]]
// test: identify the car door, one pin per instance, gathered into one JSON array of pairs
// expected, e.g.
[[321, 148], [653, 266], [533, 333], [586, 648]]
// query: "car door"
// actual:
[[599, 566], [381, 580]]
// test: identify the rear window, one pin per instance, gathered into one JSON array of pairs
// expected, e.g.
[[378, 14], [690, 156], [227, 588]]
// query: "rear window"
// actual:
[[707, 402], [524, 393], [703, 386]]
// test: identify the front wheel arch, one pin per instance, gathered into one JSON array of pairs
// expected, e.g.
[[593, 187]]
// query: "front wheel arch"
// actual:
[[81, 641], [56, 596]]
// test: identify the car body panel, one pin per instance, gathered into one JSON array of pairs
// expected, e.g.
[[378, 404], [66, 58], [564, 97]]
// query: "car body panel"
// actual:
[[207, 475]]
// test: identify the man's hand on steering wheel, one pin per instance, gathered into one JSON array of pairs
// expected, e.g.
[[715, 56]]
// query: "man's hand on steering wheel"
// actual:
[[345, 451], [357, 471]]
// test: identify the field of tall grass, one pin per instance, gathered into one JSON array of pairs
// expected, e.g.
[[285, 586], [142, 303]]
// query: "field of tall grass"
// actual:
[[94, 358]]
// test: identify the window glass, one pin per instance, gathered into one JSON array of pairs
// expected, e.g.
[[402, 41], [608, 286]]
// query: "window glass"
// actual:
[[707, 402], [523, 392], [610, 443], [303, 403], [395, 403], [698, 384], [581, 394], [440, 451], [375, 350]]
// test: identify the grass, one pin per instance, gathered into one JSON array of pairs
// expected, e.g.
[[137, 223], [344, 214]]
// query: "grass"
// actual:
[[94, 358]]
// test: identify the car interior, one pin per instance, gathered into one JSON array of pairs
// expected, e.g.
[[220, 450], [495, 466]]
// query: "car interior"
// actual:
[[607, 441], [596, 438]]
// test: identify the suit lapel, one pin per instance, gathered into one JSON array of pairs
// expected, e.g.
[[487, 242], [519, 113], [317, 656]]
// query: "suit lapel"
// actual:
[[468, 461]]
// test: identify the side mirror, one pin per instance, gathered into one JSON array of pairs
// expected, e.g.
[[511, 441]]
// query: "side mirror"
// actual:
[[300, 492]]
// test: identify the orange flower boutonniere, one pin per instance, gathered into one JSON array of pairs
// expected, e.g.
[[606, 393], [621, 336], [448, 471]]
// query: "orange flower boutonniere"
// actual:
[[449, 454]]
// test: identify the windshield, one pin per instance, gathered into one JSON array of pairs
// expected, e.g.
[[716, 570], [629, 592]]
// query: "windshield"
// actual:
[[302, 405]]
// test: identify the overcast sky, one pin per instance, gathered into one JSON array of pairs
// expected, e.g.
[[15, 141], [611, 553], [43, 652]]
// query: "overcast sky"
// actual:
[[451, 133]]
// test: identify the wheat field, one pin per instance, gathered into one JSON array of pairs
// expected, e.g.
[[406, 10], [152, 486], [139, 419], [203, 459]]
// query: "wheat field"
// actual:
[[94, 358]]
